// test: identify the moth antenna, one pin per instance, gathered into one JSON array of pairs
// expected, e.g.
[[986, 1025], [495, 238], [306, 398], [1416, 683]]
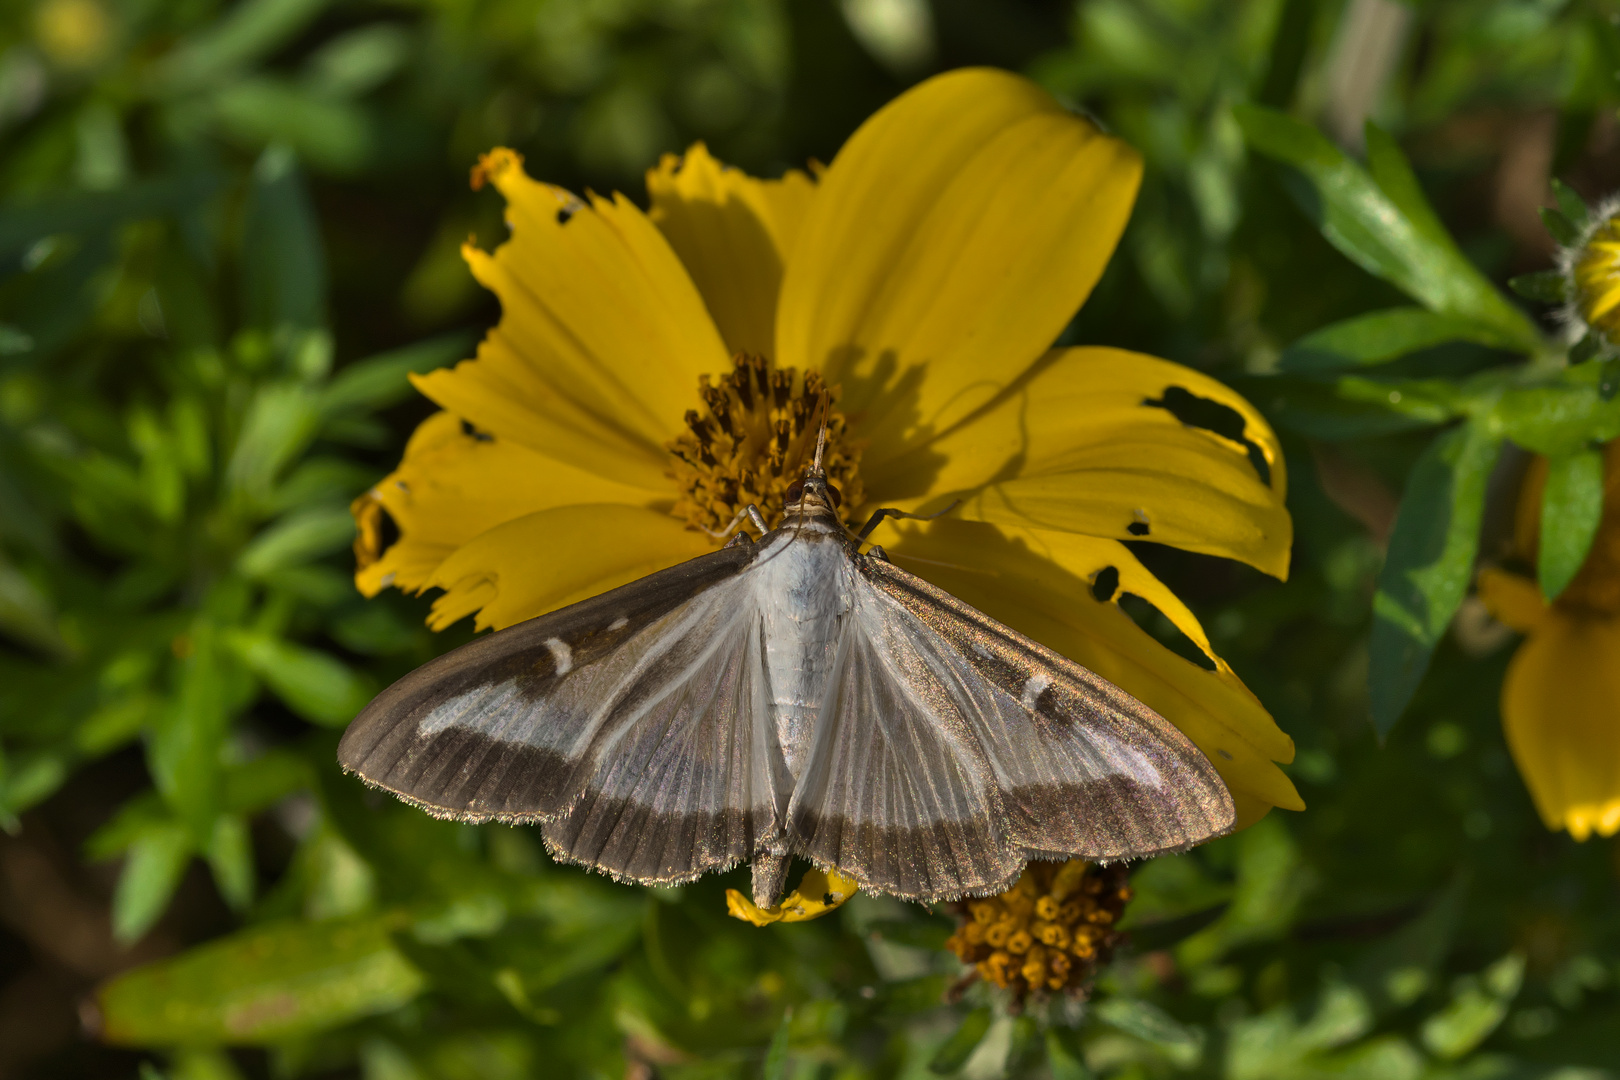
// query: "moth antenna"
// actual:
[[816, 468]]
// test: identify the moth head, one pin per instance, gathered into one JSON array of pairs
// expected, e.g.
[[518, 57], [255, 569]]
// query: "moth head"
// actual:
[[811, 491]]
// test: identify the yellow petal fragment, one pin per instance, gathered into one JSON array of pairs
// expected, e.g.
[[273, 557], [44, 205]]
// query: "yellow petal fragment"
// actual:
[[457, 482], [733, 233], [549, 559], [952, 238], [502, 394], [1085, 445], [596, 303], [1010, 582], [819, 892], [1511, 599], [1561, 715]]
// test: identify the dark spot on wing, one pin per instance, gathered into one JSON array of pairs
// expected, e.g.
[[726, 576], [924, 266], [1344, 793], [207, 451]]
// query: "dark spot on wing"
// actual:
[[473, 433], [1105, 584], [1138, 528], [1049, 707]]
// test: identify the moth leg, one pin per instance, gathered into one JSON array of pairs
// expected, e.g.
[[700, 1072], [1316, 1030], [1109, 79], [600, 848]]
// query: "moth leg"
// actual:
[[751, 512], [770, 877], [889, 511]]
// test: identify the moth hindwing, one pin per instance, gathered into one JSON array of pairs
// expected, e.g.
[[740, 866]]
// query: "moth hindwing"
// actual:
[[792, 697]]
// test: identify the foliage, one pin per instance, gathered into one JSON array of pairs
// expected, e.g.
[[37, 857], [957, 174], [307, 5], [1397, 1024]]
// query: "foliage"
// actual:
[[229, 231]]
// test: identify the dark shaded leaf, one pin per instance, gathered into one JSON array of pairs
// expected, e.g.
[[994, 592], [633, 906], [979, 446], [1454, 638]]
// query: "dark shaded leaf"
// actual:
[[960, 1046], [1571, 510], [1381, 336], [1429, 564]]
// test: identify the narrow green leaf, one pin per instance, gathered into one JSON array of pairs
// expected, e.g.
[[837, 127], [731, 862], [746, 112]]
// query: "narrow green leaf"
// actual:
[[283, 263], [1429, 565], [1583, 350], [26, 613], [298, 538], [264, 985], [960, 1046], [1147, 1022], [1064, 1056], [776, 1056], [383, 380], [1559, 227], [280, 423], [1381, 336], [1024, 1048], [184, 747], [318, 687], [230, 857], [1571, 509], [1571, 205], [155, 862], [1164, 933], [1478, 1006], [1543, 286], [1383, 224], [247, 31]]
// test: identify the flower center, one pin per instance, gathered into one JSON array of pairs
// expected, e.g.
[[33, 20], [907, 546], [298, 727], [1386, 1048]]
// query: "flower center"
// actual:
[[1049, 931], [1596, 271], [753, 437]]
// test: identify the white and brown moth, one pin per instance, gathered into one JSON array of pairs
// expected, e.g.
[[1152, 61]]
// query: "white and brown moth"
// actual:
[[789, 697]]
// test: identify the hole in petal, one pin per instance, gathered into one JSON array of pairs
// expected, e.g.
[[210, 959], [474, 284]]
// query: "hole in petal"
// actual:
[[1105, 583], [565, 213], [1223, 420], [1138, 528], [1167, 633], [473, 433]]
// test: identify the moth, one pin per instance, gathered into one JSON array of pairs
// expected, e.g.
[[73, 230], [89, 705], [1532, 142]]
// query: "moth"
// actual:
[[789, 697]]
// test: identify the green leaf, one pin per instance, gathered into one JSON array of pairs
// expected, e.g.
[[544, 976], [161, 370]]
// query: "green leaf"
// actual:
[[1543, 286], [261, 986], [156, 860], [248, 31], [383, 380], [1162, 934], [1477, 1008], [1024, 1048], [318, 687], [280, 423], [300, 537], [333, 135], [776, 1056], [1147, 1022], [26, 613], [1429, 564], [230, 857], [1382, 221], [1563, 230], [920, 933], [283, 263], [1381, 336], [1064, 1056], [1571, 509], [1590, 345], [1571, 205], [184, 748], [960, 1046]]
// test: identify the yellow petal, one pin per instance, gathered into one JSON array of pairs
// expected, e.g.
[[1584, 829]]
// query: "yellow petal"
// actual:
[[733, 233], [819, 892], [1079, 446], [549, 559], [951, 240], [596, 305], [1511, 599], [456, 482], [1009, 581], [1561, 715]]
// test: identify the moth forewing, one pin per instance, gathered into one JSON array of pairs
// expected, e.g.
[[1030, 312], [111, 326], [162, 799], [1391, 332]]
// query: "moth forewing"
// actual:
[[468, 735], [1088, 770]]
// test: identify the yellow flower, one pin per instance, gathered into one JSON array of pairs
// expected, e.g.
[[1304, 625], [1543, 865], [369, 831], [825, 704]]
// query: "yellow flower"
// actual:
[[1593, 267], [1561, 696], [1049, 932], [653, 373]]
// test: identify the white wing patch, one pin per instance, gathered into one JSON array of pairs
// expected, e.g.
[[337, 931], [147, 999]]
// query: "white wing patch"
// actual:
[[562, 654]]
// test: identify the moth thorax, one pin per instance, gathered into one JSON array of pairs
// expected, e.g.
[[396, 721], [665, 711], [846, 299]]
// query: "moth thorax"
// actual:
[[751, 441]]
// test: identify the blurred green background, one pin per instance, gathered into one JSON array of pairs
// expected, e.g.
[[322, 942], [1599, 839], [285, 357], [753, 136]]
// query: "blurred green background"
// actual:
[[228, 230]]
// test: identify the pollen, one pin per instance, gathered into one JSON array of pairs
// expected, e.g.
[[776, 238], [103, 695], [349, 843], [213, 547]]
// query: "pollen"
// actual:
[[752, 438], [1595, 270], [1049, 932]]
